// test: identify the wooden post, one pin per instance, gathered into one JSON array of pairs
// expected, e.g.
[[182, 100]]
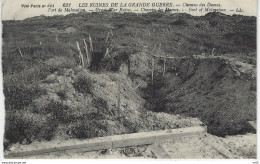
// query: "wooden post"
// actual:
[[128, 66], [87, 54], [80, 55], [57, 39], [91, 45], [164, 61], [106, 41], [118, 101], [152, 69], [20, 52]]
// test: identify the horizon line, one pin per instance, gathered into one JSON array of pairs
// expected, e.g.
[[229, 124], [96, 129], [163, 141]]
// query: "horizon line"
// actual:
[[118, 12]]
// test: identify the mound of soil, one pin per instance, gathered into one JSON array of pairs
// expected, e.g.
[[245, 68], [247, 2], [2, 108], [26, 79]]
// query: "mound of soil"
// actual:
[[82, 104]]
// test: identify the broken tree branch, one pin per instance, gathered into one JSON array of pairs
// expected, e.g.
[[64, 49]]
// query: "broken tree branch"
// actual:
[[20, 52], [107, 52], [153, 47], [139, 85]]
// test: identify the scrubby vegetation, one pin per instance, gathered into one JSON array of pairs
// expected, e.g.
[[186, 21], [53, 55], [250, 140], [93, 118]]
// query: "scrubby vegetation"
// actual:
[[48, 94]]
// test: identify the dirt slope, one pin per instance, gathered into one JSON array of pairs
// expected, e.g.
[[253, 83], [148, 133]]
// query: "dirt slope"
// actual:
[[77, 103], [219, 91]]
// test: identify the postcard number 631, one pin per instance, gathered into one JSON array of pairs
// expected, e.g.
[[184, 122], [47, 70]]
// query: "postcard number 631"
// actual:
[[66, 4]]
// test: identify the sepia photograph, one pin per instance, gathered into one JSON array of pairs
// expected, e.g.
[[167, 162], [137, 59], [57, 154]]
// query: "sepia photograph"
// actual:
[[152, 80]]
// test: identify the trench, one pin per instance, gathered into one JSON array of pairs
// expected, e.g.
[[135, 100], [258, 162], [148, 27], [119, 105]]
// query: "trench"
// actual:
[[208, 89]]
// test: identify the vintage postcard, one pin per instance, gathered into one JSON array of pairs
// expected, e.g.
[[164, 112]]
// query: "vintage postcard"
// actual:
[[136, 79]]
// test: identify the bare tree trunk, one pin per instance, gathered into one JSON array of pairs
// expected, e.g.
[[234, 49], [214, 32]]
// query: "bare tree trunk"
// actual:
[[91, 45], [87, 54], [80, 55]]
